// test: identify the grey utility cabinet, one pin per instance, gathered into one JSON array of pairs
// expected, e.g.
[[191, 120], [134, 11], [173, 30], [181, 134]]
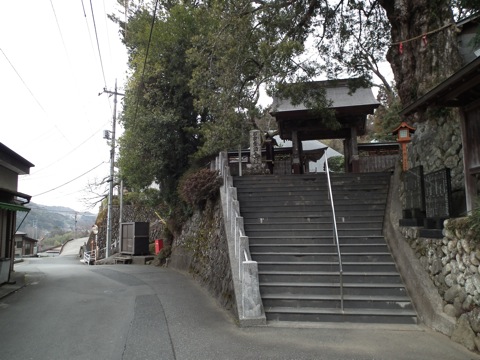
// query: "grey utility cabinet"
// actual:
[[135, 238]]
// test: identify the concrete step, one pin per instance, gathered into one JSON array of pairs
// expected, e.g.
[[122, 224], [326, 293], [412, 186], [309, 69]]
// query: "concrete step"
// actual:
[[378, 277], [340, 187], [385, 316], [306, 288], [313, 248], [269, 224], [319, 201], [334, 301], [342, 232], [299, 193], [336, 178], [357, 220], [319, 240], [362, 212], [326, 266], [320, 257]]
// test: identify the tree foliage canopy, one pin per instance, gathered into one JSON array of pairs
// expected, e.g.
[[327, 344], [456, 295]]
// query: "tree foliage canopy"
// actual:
[[198, 90]]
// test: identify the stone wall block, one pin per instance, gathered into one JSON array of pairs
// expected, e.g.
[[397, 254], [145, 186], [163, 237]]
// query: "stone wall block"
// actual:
[[450, 280], [473, 258], [452, 293], [449, 309], [477, 342], [469, 287], [458, 306], [468, 303], [449, 234], [454, 266], [436, 267], [463, 333], [445, 250], [474, 319], [476, 281], [447, 269], [452, 244], [466, 245]]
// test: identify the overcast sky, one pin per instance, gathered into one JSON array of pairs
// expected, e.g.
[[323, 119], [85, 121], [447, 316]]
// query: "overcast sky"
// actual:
[[50, 78]]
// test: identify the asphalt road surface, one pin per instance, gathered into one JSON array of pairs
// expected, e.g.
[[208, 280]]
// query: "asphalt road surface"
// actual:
[[70, 310]]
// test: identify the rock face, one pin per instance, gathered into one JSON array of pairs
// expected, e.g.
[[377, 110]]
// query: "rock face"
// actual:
[[202, 251], [453, 265], [437, 144]]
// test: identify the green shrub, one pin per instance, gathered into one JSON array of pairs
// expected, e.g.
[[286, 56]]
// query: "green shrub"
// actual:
[[164, 254], [336, 164], [195, 188]]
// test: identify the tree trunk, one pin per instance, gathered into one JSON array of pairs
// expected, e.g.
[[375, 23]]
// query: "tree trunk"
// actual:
[[424, 52], [424, 47]]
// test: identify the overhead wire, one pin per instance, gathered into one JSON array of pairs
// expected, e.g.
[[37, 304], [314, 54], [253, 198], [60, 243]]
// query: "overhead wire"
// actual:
[[91, 44], [70, 181], [24, 83], [66, 154], [88, 27], [106, 29], [67, 54], [32, 94], [98, 44]]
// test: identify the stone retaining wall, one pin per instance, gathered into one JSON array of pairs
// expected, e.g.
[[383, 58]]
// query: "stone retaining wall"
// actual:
[[453, 264], [202, 250], [437, 144]]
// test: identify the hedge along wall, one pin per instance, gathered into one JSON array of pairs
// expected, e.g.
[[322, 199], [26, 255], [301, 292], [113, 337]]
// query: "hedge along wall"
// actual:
[[453, 264]]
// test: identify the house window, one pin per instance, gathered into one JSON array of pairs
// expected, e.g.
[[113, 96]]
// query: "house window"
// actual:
[[19, 244]]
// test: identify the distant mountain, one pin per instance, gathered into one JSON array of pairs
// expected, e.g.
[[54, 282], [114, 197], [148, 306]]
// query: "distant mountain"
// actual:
[[45, 220]]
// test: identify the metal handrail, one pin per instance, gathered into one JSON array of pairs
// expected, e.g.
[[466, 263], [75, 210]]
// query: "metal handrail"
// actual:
[[335, 230]]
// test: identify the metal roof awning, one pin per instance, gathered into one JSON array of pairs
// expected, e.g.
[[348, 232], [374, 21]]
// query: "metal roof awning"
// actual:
[[13, 207]]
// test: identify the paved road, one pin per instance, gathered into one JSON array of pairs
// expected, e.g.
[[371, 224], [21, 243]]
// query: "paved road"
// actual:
[[75, 311], [72, 247]]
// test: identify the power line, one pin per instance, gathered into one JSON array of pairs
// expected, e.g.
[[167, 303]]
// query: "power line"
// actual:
[[71, 151], [68, 182], [24, 83], [91, 44], [88, 28], [98, 44], [31, 93], [60, 31]]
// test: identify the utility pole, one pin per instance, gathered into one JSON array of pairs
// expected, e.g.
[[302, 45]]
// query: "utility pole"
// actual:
[[112, 166]]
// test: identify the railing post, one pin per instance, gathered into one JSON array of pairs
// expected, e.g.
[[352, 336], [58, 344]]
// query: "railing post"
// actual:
[[242, 240], [238, 234], [251, 299]]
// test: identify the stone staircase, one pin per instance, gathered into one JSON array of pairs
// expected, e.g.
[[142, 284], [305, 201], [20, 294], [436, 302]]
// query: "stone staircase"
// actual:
[[288, 220]]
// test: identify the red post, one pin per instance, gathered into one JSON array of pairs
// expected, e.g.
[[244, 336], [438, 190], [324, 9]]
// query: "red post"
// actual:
[[158, 246], [404, 156]]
